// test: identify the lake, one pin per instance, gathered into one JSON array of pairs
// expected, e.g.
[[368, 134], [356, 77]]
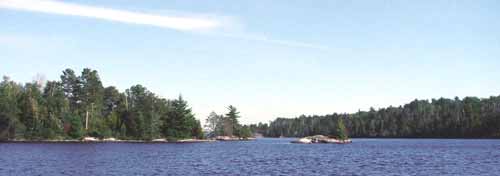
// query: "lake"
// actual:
[[260, 157]]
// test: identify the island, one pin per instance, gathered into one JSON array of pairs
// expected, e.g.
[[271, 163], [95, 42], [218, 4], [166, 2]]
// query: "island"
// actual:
[[79, 108], [338, 136], [320, 139]]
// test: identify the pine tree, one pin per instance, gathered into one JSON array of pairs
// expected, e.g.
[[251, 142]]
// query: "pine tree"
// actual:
[[341, 130], [232, 117], [180, 120], [10, 125]]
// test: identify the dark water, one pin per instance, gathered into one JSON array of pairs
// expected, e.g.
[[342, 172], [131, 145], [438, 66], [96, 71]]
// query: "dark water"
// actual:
[[261, 157]]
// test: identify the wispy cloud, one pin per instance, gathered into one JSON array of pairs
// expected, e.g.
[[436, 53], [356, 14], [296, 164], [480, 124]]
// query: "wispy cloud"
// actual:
[[192, 23], [55, 7], [259, 38]]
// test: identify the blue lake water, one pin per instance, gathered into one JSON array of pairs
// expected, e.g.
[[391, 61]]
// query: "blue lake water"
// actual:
[[260, 157]]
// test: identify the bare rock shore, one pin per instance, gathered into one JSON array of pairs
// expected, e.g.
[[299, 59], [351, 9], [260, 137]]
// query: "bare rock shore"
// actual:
[[112, 140], [320, 139]]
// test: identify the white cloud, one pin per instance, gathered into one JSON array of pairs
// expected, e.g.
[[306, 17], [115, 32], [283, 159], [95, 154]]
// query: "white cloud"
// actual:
[[55, 7], [211, 25]]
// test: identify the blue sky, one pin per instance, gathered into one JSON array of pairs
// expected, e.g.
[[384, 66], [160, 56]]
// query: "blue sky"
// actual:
[[268, 58]]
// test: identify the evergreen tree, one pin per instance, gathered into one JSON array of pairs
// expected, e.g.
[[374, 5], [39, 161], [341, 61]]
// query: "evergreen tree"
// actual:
[[180, 120], [92, 96], [72, 89], [60, 109], [112, 107], [197, 131], [469, 117], [56, 105], [73, 126], [10, 125], [232, 117], [31, 111], [63, 109], [341, 131]]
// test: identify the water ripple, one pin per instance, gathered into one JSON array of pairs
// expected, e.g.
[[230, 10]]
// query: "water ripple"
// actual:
[[261, 157]]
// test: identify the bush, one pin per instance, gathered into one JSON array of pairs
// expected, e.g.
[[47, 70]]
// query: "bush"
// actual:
[[73, 126], [245, 132]]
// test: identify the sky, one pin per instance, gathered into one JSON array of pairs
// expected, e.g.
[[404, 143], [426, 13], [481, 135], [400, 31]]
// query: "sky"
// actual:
[[279, 58]]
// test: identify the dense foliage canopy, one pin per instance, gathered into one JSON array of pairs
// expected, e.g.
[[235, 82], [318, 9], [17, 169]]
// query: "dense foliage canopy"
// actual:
[[469, 117], [79, 105]]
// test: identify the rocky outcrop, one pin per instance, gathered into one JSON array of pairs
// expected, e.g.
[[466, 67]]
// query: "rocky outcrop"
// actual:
[[302, 141], [194, 140], [159, 140], [321, 139], [232, 138], [110, 139], [162, 140], [90, 139]]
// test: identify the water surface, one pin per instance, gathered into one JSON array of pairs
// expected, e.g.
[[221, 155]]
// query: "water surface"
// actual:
[[260, 157]]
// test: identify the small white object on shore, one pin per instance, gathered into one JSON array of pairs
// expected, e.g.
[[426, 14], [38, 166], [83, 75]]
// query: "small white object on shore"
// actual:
[[110, 139], [159, 140], [90, 139], [194, 140]]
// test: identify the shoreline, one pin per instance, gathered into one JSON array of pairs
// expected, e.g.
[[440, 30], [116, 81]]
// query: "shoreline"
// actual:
[[155, 141], [233, 138], [204, 140], [392, 138], [107, 141]]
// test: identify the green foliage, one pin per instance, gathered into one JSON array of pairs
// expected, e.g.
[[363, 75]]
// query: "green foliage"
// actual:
[[215, 125], [245, 132], [5, 126], [72, 89], [180, 121], [63, 109], [197, 131], [9, 110], [470, 117], [32, 111], [341, 131], [228, 125], [232, 117], [259, 129], [73, 126]]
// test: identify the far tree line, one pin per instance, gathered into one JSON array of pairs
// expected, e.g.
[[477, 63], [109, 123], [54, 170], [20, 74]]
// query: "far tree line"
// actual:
[[470, 117], [79, 105]]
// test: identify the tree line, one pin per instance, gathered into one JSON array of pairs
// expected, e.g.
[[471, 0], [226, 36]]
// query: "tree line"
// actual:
[[470, 117], [79, 105]]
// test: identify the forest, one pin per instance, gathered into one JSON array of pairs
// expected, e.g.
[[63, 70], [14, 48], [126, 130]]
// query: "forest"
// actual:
[[470, 117], [79, 105]]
